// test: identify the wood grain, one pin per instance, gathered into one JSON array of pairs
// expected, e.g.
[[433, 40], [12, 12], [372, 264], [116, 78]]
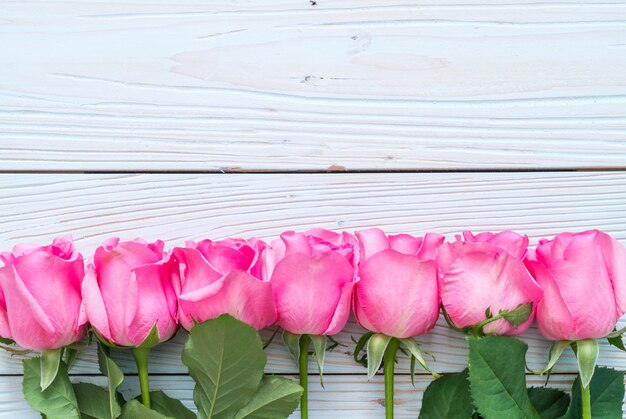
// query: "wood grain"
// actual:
[[343, 396], [283, 85], [34, 208]]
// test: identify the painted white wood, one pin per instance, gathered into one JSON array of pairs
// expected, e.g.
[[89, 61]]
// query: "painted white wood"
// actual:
[[357, 84], [174, 207], [342, 397]]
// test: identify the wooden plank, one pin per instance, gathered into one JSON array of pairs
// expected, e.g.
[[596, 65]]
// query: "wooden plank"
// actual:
[[343, 396], [359, 84], [34, 208]]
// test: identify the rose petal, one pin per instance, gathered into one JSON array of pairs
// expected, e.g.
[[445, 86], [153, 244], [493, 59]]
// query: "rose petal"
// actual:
[[308, 289], [397, 294], [372, 241], [553, 316], [242, 296], [94, 304]]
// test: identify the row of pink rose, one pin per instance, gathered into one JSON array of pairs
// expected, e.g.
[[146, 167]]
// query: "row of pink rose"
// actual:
[[308, 282]]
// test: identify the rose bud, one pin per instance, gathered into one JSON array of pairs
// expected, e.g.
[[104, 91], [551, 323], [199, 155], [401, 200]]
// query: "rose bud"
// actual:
[[128, 291], [40, 298], [312, 275], [583, 276], [483, 280], [213, 278], [397, 293]]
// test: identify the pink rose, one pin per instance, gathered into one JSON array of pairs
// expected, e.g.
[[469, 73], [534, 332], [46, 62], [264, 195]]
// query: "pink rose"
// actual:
[[220, 277], [483, 272], [127, 290], [312, 275], [40, 300], [397, 293], [583, 276]]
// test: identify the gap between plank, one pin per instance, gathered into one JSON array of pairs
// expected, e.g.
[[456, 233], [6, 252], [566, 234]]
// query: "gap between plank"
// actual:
[[333, 171]]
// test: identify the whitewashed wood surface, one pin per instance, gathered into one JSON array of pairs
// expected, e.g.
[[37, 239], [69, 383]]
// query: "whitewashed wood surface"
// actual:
[[288, 85], [154, 98]]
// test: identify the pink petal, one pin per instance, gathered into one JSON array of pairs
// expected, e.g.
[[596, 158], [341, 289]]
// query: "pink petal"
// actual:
[[271, 256], [296, 243], [515, 244], [582, 272], [198, 275], [242, 296], [224, 258], [397, 294], [153, 306], [30, 326], [430, 246], [405, 243], [342, 312], [94, 304], [372, 241], [55, 284], [308, 290], [326, 235], [615, 259], [553, 316], [256, 268], [5, 330], [114, 264]]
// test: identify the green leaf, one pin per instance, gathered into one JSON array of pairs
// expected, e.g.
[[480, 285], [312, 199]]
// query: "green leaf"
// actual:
[[168, 406], [616, 333], [607, 395], [416, 353], [319, 347], [448, 397], [70, 355], [50, 360], [497, 377], [549, 403], [413, 371], [226, 360], [587, 356], [56, 401], [151, 339], [292, 342], [518, 315], [134, 410], [617, 342], [115, 376], [277, 397], [376, 346], [104, 341], [93, 401], [360, 344]]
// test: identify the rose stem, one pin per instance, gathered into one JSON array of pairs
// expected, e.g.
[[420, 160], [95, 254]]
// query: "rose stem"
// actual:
[[303, 362], [141, 359], [389, 360]]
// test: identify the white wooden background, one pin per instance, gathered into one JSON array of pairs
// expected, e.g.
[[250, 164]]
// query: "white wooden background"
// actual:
[[191, 119]]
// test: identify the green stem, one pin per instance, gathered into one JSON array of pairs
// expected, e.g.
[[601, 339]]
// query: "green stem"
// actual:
[[586, 400], [389, 361], [478, 329], [303, 363], [141, 359]]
